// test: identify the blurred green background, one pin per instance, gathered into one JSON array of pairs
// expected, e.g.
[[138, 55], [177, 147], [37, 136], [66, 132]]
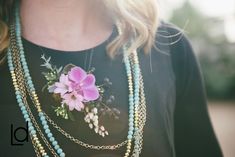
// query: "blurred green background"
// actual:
[[210, 26]]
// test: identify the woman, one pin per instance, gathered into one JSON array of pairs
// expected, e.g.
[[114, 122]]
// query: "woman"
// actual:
[[128, 85]]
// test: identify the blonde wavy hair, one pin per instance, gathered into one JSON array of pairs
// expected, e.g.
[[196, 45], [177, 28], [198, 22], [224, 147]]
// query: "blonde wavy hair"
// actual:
[[137, 19]]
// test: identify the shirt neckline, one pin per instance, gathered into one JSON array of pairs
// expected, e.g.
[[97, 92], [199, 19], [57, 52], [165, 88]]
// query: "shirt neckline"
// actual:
[[47, 49]]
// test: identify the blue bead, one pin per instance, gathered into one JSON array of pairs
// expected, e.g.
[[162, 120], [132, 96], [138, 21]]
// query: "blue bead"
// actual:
[[19, 100], [131, 103], [129, 137], [59, 151], [49, 135], [57, 147], [33, 132], [47, 131], [29, 123], [137, 98], [44, 122], [131, 107], [31, 85], [42, 118], [21, 104], [46, 126], [130, 132], [22, 56], [23, 60], [24, 64], [26, 116], [54, 143], [62, 155], [131, 120], [32, 89], [10, 64], [128, 68], [24, 112], [40, 114], [27, 76], [31, 128], [52, 139], [26, 70], [29, 82], [23, 108], [131, 116]]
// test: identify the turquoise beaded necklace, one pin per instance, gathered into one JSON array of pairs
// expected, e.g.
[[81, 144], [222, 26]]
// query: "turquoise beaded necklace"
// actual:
[[136, 103]]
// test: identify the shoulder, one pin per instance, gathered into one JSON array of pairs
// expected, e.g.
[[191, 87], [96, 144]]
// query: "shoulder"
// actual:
[[171, 35], [179, 47]]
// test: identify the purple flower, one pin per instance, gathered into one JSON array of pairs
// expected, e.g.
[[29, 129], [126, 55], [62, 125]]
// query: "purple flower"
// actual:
[[76, 88], [63, 86], [84, 84]]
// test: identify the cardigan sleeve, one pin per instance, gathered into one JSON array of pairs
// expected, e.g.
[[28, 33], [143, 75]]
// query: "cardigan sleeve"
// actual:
[[193, 131]]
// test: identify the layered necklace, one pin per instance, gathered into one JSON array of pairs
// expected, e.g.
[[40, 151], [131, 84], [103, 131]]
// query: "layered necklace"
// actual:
[[39, 130]]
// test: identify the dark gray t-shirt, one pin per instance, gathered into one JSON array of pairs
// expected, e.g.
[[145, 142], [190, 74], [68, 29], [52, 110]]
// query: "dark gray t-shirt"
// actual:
[[177, 124]]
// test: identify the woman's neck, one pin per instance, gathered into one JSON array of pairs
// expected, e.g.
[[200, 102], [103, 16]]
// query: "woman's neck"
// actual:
[[65, 25]]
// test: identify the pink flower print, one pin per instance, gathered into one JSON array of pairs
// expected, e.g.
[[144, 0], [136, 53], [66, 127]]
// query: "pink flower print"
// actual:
[[73, 100], [83, 84], [63, 86], [76, 88]]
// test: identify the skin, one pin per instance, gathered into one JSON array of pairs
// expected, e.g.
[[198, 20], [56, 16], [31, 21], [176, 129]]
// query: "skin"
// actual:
[[70, 25]]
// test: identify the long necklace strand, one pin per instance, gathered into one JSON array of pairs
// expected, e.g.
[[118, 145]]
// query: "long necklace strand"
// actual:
[[18, 77], [20, 81], [21, 102], [137, 104], [30, 86]]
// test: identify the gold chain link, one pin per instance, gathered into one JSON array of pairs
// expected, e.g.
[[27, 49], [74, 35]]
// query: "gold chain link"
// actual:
[[77, 141]]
